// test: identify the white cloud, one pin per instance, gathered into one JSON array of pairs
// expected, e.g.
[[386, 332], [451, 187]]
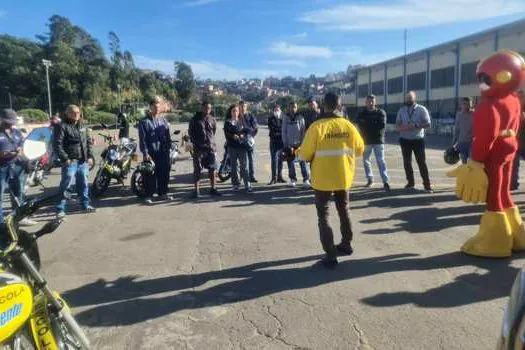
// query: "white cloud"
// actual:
[[295, 63], [285, 49], [409, 13], [205, 69], [194, 3], [303, 35]]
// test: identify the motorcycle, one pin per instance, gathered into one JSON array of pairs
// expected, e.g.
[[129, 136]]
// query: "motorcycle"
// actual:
[[139, 178], [115, 163], [38, 166], [32, 315], [225, 172], [175, 149]]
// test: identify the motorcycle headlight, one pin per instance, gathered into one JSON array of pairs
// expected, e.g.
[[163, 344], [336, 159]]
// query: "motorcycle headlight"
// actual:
[[113, 154], [513, 308]]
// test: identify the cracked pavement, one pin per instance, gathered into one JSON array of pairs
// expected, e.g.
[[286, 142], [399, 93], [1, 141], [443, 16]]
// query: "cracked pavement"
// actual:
[[239, 272]]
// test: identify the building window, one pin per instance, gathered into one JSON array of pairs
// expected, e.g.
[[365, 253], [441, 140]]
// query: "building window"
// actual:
[[362, 90], [417, 81], [395, 85], [443, 77], [468, 73], [378, 88]]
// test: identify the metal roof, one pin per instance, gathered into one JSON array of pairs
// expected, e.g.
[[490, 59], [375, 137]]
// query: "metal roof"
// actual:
[[448, 43]]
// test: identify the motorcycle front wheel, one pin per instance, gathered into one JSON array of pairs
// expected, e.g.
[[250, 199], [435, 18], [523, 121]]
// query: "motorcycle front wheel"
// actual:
[[224, 171], [68, 333], [138, 184], [101, 183]]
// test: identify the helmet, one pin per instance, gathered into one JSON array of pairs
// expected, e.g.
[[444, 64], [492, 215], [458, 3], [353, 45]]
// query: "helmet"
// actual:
[[288, 154], [501, 73], [249, 141], [147, 168], [451, 156]]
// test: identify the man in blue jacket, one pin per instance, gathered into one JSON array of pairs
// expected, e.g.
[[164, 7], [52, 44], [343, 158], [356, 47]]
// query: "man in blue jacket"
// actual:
[[251, 126], [155, 144]]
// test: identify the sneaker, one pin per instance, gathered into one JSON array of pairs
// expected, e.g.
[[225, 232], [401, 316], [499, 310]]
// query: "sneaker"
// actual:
[[344, 249], [148, 201], [293, 183], [386, 186], [90, 209], [329, 262], [429, 189], [235, 188], [249, 189], [409, 187], [215, 193], [27, 222], [307, 183], [166, 197], [369, 183], [273, 182], [61, 215], [281, 180], [253, 180]]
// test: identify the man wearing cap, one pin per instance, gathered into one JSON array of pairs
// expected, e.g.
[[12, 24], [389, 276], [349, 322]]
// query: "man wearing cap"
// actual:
[[74, 147], [12, 174], [372, 123]]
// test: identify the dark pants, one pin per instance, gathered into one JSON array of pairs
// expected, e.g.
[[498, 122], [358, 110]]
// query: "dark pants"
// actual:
[[277, 163], [159, 182], [418, 147], [515, 182], [251, 161], [322, 199], [12, 177]]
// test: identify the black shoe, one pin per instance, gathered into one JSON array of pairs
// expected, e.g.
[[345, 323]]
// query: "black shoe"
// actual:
[[273, 182], [386, 186], [429, 189], [409, 187], [253, 180], [281, 180], [214, 192], [344, 249], [196, 194], [329, 262], [369, 183]]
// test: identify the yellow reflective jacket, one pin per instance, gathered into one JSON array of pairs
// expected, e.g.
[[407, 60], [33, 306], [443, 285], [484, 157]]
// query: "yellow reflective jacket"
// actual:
[[331, 144]]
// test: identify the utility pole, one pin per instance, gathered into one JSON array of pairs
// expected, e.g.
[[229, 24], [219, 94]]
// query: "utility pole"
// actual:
[[47, 64], [405, 80]]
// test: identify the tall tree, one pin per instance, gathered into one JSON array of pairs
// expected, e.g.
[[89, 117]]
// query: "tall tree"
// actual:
[[185, 81]]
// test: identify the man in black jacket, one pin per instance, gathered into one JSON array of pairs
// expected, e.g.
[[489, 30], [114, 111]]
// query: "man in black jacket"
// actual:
[[371, 123], [275, 123], [202, 131], [312, 114], [73, 146]]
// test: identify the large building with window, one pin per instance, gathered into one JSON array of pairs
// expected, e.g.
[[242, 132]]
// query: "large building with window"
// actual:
[[440, 75]]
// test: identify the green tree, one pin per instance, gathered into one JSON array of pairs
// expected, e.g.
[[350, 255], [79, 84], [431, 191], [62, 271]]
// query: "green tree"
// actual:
[[185, 81]]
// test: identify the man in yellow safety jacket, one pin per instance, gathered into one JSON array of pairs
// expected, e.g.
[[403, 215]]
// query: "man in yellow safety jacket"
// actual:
[[331, 144]]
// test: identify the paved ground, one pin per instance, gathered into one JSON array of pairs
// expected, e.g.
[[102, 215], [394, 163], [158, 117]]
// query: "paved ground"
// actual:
[[240, 273]]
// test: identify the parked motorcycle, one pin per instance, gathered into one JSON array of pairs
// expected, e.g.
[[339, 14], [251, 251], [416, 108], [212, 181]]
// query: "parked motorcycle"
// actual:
[[115, 163], [224, 172], [38, 166], [175, 149]]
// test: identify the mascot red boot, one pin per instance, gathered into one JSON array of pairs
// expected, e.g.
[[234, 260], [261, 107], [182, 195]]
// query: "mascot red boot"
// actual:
[[486, 177]]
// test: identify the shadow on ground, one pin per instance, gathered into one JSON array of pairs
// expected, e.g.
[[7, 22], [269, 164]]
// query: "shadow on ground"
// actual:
[[128, 300]]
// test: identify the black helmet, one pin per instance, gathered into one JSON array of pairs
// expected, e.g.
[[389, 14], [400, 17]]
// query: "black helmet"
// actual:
[[451, 156], [147, 168]]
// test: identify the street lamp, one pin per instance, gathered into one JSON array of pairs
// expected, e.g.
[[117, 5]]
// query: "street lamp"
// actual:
[[48, 64]]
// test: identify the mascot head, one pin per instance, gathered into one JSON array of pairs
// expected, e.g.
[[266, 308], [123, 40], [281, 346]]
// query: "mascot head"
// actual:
[[501, 74]]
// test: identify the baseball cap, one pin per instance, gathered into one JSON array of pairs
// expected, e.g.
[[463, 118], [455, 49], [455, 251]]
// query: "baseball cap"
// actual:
[[8, 116]]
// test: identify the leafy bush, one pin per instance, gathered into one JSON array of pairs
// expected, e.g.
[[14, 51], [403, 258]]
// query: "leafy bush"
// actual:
[[33, 115], [97, 117]]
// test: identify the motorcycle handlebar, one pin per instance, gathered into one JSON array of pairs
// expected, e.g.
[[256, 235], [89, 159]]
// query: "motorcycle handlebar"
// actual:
[[31, 205]]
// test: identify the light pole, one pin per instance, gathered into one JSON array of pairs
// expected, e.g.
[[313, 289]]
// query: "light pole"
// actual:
[[48, 64]]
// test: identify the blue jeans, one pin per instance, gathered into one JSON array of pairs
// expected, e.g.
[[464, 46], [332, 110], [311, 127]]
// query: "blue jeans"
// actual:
[[277, 163], [12, 177], [239, 155], [304, 170], [379, 152], [464, 151], [251, 163], [79, 171]]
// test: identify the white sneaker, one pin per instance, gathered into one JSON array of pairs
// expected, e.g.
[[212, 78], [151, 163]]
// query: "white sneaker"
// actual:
[[148, 201], [293, 183], [307, 183], [166, 197], [27, 222]]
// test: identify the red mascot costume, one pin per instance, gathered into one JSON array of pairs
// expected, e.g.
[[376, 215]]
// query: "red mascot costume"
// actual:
[[486, 177]]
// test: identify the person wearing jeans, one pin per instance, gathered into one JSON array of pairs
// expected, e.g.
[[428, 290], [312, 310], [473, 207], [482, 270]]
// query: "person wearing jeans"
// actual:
[[411, 122], [293, 131], [73, 146], [331, 145], [251, 128], [276, 145], [371, 123], [236, 135], [463, 130]]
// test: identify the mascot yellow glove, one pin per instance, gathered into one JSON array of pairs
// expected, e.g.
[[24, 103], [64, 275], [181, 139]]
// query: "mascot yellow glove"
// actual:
[[472, 182]]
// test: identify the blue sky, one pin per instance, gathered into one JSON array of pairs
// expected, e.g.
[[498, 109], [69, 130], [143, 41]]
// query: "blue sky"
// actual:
[[233, 39]]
